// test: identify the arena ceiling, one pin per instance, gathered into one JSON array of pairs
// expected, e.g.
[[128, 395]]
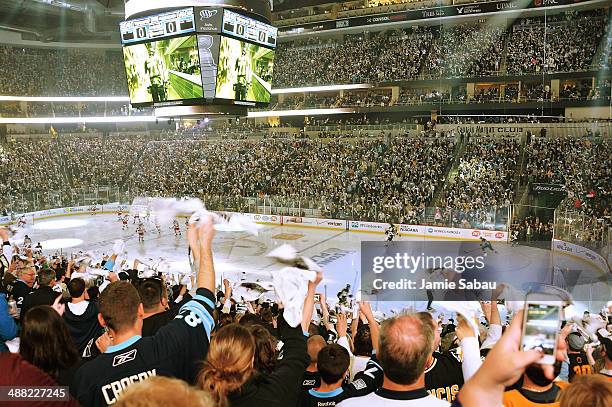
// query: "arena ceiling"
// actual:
[[66, 20]]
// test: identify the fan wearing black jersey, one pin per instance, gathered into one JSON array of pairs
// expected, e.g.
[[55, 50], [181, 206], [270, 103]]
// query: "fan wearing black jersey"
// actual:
[[333, 362], [333, 365], [176, 350], [312, 378], [445, 373]]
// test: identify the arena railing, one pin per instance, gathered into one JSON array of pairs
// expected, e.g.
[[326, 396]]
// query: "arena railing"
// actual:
[[363, 127]]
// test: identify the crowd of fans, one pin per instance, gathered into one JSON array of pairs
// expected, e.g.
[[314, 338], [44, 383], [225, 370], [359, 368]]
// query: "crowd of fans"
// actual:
[[363, 179], [464, 50], [583, 168], [485, 175], [571, 43], [132, 336], [66, 72], [532, 230], [357, 175], [381, 57]]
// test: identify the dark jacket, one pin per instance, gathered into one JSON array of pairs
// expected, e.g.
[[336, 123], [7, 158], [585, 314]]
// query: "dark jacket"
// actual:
[[150, 325], [19, 291], [42, 296], [84, 328], [283, 386]]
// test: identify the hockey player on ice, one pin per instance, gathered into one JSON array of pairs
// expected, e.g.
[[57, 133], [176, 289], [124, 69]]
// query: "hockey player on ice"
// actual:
[[390, 232], [125, 222], [119, 216], [27, 242], [136, 217], [141, 231], [22, 221], [177, 228], [485, 244], [514, 238]]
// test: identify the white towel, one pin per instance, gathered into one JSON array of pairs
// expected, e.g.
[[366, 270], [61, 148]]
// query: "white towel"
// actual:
[[287, 254], [168, 209], [249, 291], [514, 298], [119, 247], [468, 309], [291, 286]]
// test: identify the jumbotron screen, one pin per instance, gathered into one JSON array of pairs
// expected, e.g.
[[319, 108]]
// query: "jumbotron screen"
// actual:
[[163, 71], [244, 71]]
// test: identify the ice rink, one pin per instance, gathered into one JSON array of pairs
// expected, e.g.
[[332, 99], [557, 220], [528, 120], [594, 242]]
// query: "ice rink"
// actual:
[[240, 256]]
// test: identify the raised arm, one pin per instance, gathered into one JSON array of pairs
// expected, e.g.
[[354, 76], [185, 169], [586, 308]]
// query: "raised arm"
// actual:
[[206, 273], [226, 296], [325, 312], [192, 240], [7, 249], [366, 309], [495, 318], [471, 351], [309, 302]]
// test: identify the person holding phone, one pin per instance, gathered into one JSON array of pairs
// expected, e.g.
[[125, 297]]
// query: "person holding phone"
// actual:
[[505, 365], [542, 319]]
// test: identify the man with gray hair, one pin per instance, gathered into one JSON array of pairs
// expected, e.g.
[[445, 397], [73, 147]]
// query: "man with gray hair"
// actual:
[[45, 295], [23, 286], [406, 344]]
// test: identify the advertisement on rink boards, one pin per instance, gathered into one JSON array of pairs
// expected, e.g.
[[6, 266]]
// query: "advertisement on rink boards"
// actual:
[[411, 230], [375, 227], [433, 232], [257, 218], [581, 252], [465, 234], [314, 222]]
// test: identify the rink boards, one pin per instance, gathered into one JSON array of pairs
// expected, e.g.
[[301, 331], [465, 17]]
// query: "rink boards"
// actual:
[[411, 231]]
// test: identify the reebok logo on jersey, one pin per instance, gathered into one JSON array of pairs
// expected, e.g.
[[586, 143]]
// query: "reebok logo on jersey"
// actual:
[[124, 358], [359, 384]]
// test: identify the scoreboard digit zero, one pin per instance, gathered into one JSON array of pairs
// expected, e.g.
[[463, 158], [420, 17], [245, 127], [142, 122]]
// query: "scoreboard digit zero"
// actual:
[[158, 26], [243, 27]]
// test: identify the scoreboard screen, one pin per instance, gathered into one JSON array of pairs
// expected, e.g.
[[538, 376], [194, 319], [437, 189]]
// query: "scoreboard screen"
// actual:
[[249, 29], [158, 26], [198, 56]]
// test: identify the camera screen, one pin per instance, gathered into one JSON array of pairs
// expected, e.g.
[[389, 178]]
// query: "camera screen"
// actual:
[[541, 327]]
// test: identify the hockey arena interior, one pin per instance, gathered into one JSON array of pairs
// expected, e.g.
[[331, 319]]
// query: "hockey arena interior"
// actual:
[[306, 203]]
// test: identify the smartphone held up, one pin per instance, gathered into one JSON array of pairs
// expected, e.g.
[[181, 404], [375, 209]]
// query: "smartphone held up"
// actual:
[[541, 325]]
